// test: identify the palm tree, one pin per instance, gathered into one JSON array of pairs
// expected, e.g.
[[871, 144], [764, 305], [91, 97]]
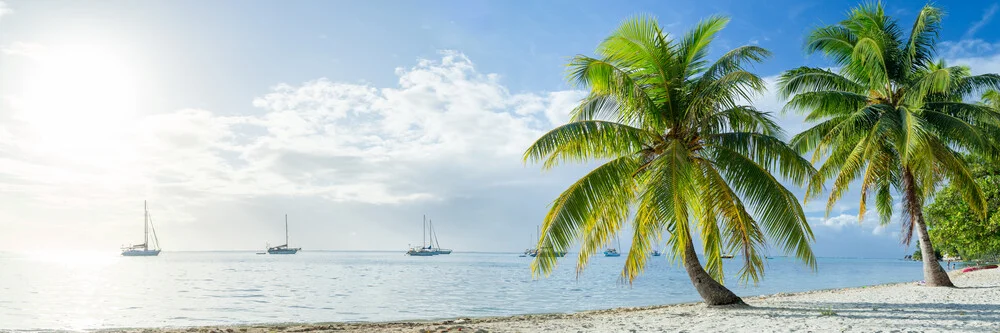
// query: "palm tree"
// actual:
[[680, 155], [890, 117]]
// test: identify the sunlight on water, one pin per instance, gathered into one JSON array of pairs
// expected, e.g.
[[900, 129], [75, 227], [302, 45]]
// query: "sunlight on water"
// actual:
[[77, 291], [72, 257]]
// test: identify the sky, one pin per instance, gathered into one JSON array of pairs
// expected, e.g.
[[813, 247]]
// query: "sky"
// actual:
[[355, 118]]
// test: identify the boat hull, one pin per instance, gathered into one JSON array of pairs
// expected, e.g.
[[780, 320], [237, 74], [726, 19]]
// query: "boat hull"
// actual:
[[140, 253], [419, 253], [443, 251], [282, 251], [612, 254]]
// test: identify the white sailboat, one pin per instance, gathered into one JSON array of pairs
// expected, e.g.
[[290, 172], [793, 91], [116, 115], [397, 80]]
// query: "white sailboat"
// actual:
[[144, 249], [530, 251], [424, 250], [284, 249], [434, 240]]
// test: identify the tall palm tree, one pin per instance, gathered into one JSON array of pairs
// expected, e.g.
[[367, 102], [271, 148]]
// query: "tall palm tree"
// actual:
[[680, 155], [890, 117]]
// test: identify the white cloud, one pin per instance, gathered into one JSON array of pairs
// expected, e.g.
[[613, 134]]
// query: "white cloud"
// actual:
[[871, 221], [343, 142], [987, 16], [23, 49], [967, 48], [444, 115], [4, 9], [979, 65]]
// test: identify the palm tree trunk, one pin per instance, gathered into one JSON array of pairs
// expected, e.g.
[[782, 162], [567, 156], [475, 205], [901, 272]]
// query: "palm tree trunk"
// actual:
[[934, 274], [711, 291]]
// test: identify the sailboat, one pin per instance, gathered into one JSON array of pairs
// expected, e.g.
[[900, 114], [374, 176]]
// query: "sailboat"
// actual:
[[284, 249], [531, 251], [657, 253], [424, 250], [434, 240], [613, 252], [534, 252], [144, 250]]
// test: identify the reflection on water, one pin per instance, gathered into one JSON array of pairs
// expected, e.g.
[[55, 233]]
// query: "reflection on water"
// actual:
[[104, 290]]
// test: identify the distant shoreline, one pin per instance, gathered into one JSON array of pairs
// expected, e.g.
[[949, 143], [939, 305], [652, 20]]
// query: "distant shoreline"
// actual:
[[971, 307]]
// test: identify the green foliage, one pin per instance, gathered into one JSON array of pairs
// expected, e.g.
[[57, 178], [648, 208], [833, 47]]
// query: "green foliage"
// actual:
[[957, 229], [890, 118], [917, 256], [679, 153]]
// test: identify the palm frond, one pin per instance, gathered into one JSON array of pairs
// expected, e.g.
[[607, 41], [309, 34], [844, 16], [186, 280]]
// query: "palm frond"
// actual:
[[597, 204], [589, 140], [923, 35]]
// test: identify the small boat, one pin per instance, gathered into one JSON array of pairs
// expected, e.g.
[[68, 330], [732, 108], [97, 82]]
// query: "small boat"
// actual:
[[534, 252], [613, 252], [421, 252], [727, 256], [424, 250], [284, 249], [144, 250], [977, 268], [559, 254], [657, 253]]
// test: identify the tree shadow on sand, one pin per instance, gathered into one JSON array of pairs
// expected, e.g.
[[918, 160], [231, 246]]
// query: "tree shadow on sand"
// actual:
[[929, 313]]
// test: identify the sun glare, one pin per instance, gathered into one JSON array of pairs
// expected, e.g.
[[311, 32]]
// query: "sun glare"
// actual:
[[78, 99]]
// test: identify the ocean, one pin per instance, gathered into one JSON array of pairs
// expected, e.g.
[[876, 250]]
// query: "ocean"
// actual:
[[93, 291]]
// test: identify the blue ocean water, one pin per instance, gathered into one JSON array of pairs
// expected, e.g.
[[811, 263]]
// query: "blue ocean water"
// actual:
[[92, 291]]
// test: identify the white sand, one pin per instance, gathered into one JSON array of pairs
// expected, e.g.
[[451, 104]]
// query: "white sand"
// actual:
[[972, 307]]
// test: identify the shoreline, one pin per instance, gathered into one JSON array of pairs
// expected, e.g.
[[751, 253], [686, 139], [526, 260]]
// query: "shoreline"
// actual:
[[974, 306]]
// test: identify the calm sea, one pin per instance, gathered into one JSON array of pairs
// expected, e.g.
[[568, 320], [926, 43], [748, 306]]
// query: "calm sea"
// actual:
[[91, 291]]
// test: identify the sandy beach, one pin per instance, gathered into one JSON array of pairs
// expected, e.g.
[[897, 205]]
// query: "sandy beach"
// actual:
[[904, 307]]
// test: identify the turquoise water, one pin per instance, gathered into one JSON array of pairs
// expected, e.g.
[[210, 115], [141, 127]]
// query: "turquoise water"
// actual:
[[91, 291]]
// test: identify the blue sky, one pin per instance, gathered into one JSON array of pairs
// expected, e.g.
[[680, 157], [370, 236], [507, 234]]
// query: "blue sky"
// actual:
[[355, 118]]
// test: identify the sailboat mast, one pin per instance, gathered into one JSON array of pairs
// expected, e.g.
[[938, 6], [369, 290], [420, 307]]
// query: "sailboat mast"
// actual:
[[145, 225], [434, 236], [286, 229], [424, 233]]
